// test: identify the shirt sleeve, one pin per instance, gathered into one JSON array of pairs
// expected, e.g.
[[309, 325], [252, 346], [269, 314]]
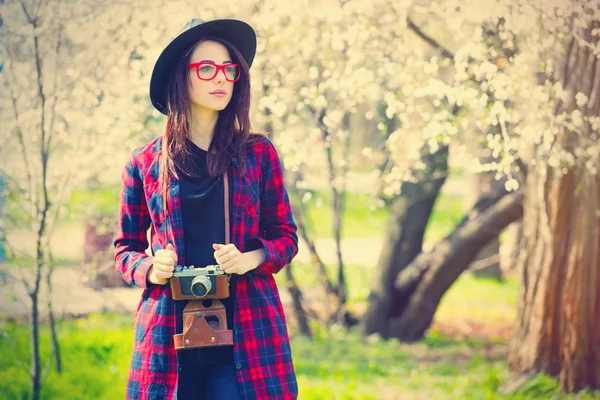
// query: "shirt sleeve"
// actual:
[[131, 242], [278, 229]]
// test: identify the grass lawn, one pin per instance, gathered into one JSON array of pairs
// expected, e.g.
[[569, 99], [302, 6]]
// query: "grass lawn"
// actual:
[[359, 222], [362, 221], [334, 365], [463, 301], [462, 357]]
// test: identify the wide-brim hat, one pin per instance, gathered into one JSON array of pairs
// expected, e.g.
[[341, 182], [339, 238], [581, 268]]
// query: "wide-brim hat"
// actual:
[[237, 32]]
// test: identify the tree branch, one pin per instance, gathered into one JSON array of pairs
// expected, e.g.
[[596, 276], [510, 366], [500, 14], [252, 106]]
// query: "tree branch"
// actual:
[[299, 213], [55, 97], [13, 254], [488, 223], [435, 44], [23, 147], [27, 15]]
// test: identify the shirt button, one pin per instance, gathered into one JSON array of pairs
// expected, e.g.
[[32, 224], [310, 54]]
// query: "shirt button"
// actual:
[[234, 159], [238, 366]]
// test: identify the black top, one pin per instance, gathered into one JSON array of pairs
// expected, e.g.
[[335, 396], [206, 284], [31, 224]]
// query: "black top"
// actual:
[[203, 209]]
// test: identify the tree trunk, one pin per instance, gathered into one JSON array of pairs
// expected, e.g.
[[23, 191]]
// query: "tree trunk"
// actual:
[[297, 302], [430, 275], [487, 262], [51, 319], [3, 197], [509, 261], [560, 297], [337, 207], [559, 306], [409, 215], [330, 290], [35, 348], [300, 213]]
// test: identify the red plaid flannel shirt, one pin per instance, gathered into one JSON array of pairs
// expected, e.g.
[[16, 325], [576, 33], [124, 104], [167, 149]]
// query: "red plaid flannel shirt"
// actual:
[[261, 210]]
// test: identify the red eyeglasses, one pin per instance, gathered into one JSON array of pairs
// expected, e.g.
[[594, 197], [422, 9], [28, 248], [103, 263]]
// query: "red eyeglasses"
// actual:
[[207, 71]]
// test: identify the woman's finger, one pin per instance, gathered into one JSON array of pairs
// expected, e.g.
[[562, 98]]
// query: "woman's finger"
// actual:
[[167, 268], [166, 254], [230, 268], [225, 249], [226, 258], [164, 261], [163, 267], [163, 275], [228, 263]]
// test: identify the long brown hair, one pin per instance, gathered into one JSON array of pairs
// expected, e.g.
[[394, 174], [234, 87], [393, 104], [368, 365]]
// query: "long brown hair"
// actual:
[[232, 129]]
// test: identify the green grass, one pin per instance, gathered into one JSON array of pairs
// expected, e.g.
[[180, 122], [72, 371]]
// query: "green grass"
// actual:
[[103, 201], [462, 301], [358, 279], [454, 361], [334, 365], [94, 353], [480, 298], [360, 220]]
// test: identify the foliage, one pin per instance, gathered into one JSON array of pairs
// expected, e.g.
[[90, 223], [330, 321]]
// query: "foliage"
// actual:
[[490, 62], [335, 365], [84, 79]]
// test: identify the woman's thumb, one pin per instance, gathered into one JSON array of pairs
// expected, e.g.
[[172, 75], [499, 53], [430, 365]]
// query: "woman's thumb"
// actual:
[[170, 247]]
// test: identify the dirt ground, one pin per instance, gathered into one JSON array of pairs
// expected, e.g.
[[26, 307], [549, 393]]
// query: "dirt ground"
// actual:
[[71, 297]]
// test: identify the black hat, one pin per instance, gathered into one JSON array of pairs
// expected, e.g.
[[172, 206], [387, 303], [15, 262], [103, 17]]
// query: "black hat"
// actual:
[[238, 33]]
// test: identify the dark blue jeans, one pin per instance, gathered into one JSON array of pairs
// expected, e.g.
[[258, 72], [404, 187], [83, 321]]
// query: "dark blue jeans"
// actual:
[[208, 382]]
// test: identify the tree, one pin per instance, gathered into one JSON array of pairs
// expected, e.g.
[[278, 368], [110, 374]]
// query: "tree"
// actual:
[[559, 304], [53, 83], [397, 306], [402, 84], [309, 91], [545, 113]]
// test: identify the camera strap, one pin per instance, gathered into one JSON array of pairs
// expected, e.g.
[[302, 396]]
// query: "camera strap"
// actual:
[[226, 197]]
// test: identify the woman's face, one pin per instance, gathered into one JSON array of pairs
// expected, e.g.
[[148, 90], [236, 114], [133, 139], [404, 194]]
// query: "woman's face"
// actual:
[[213, 94]]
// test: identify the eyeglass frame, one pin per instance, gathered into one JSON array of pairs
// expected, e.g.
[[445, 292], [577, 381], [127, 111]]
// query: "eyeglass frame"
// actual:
[[220, 67]]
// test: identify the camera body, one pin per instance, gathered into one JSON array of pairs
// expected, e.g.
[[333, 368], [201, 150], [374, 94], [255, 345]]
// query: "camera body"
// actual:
[[191, 283]]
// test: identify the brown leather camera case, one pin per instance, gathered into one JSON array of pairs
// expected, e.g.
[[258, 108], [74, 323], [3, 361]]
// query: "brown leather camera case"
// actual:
[[197, 332], [222, 286]]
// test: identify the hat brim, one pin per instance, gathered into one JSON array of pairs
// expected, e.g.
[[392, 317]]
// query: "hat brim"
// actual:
[[237, 32]]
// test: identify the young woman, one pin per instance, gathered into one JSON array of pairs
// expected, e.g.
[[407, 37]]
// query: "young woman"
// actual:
[[176, 185]]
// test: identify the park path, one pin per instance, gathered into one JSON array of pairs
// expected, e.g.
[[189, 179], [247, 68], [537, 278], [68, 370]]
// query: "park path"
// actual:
[[71, 297]]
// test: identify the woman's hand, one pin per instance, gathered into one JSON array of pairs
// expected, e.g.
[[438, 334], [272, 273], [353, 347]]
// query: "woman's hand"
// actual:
[[235, 262], [163, 266]]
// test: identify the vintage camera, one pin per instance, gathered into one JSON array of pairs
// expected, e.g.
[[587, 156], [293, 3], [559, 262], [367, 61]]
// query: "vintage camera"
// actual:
[[191, 283]]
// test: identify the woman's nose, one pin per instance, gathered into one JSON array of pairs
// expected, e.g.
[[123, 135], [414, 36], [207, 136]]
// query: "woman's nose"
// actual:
[[220, 76]]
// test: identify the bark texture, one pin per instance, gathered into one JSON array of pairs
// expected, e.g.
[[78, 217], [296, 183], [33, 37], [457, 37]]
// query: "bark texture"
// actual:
[[409, 214], [559, 303]]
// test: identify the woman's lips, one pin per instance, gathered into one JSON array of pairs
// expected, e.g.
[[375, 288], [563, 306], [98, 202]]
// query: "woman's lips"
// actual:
[[219, 93]]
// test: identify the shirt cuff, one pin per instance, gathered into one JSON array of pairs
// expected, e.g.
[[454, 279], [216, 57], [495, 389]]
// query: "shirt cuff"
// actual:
[[268, 266], [140, 276]]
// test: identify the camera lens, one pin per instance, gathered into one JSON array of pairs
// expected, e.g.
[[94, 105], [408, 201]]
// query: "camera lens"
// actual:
[[201, 286]]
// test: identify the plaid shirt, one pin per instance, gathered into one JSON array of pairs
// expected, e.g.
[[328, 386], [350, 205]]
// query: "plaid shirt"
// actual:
[[260, 210]]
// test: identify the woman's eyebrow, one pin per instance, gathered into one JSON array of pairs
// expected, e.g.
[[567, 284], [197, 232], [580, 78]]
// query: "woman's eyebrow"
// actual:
[[211, 61]]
